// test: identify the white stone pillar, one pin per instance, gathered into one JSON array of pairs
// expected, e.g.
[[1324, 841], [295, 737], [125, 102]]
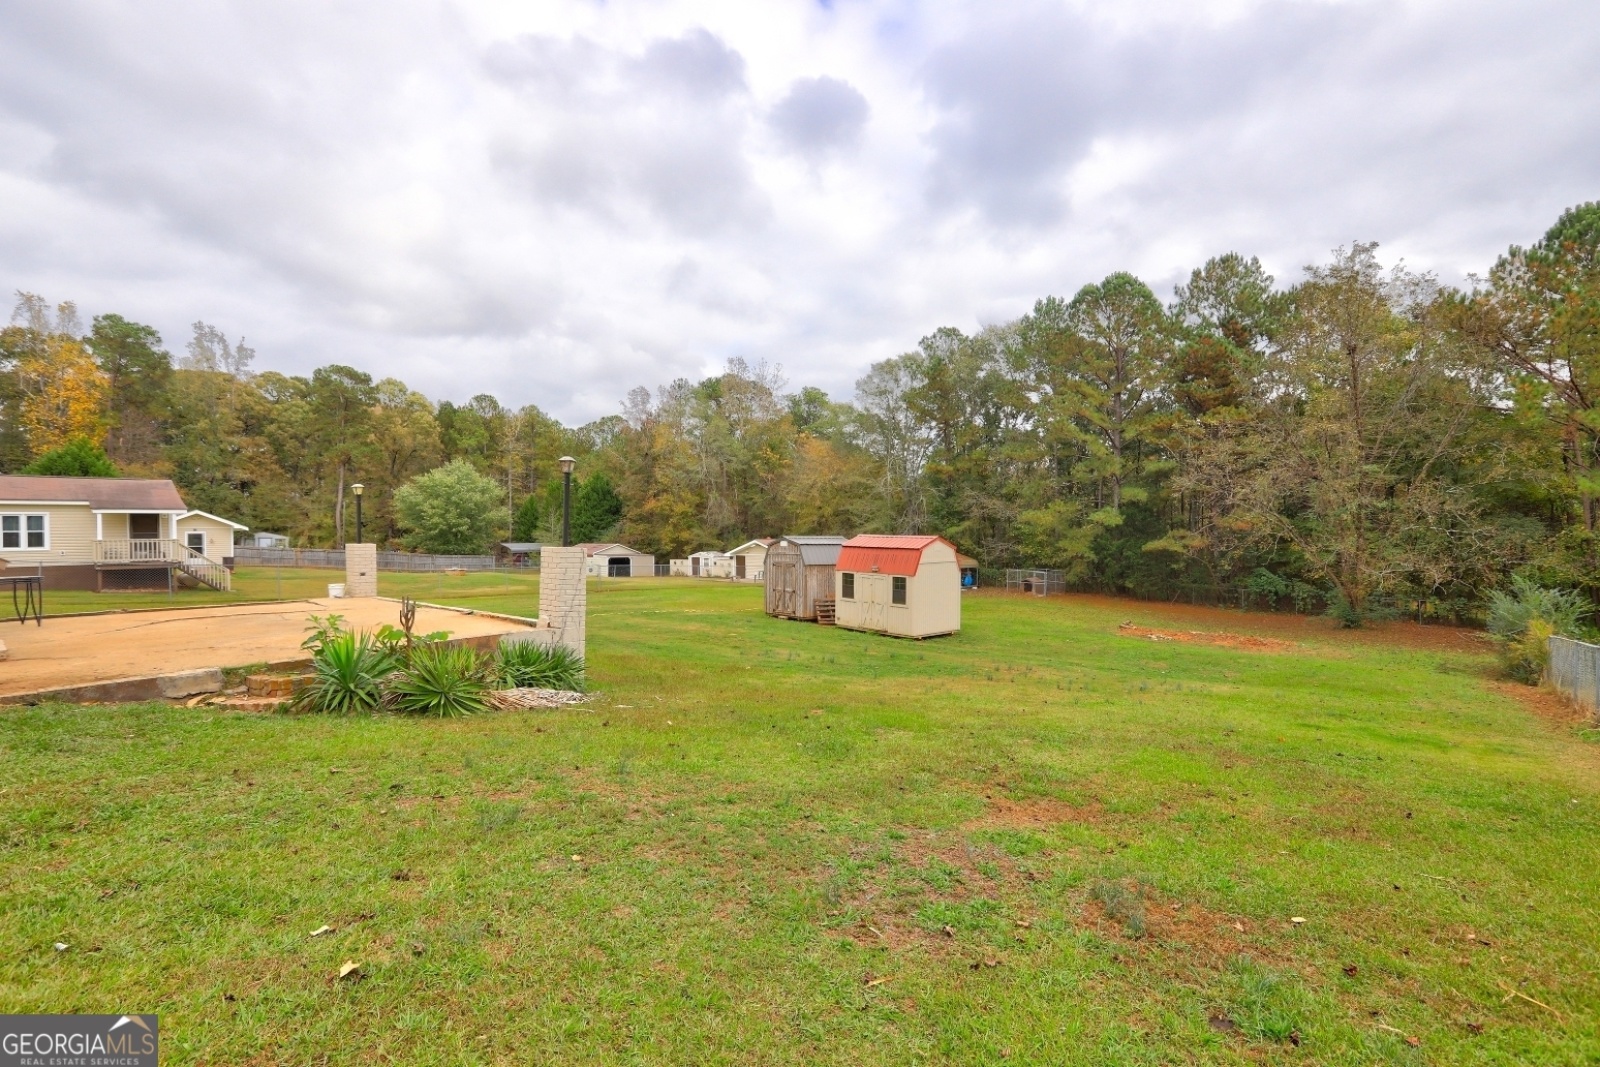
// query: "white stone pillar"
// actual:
[[563, 596], [360, 570]]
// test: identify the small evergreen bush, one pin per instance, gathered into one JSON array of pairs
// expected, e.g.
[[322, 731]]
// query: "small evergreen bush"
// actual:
[[529, 666], [349, 675], [442, 681]]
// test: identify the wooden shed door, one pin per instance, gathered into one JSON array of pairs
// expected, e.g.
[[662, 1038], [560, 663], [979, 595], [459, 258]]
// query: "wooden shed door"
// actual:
[[785, 583], [873, 592], [738, 567]]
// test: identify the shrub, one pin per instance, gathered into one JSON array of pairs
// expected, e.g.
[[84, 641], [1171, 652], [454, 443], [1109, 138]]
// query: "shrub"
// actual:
[[1524, 620], [441, 681], [349, 673], [528, 666]]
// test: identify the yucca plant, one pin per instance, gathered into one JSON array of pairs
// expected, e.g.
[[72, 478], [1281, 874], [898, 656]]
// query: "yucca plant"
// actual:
[[349, 672], [441, 681], [529, 666]]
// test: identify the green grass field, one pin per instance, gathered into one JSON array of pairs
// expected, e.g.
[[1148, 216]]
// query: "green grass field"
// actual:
[[288, 583], [1039, 841]]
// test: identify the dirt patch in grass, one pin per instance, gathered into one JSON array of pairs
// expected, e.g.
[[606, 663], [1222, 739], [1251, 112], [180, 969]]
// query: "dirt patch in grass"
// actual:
[[1003, 813], [1136, 915], [1544, 702], [1219, 639], [1283, 625]]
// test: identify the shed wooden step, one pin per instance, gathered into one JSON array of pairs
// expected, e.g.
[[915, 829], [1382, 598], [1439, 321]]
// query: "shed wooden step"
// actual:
[[825, 612]]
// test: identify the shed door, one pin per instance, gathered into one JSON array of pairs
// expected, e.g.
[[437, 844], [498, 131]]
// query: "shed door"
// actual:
[[738, 567], [785, 581], [619, 567], [873, 592]]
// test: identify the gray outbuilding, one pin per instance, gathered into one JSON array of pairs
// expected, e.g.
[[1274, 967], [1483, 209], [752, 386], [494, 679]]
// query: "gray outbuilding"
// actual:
[[799, 574]]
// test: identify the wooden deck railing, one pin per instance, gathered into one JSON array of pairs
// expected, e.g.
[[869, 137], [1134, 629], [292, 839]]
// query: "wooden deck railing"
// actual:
[[164, 552]]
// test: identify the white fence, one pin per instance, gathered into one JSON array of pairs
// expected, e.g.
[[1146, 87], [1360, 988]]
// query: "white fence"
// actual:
[[333, 558], [1575, 670]]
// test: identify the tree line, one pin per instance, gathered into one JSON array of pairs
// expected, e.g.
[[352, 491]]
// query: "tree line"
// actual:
[[1360, 439]]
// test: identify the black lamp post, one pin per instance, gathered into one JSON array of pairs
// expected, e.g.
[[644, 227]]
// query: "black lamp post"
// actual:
[[567, 463], [358, 489]]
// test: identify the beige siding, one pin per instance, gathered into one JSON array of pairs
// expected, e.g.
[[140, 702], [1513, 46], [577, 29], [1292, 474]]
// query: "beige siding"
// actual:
[[933, 599], [219, 536], [114, 527], [69, 530]]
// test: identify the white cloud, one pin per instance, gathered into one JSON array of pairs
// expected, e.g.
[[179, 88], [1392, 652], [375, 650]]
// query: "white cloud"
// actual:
[[557, 202]]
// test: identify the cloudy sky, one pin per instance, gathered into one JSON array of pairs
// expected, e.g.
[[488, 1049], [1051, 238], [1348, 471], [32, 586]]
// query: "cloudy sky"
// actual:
[[556, 201]]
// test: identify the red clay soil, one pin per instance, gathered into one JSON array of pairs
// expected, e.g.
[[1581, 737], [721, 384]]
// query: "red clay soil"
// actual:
[[1245, 642], [1282, 625]]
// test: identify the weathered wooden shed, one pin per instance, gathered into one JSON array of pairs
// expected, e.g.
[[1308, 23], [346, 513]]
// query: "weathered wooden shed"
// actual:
[[799, 573], [893, 584]]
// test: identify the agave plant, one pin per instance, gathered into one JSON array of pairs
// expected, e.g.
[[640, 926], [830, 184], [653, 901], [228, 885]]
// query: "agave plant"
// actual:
[[349, 672], [528, 666], [441, 681]]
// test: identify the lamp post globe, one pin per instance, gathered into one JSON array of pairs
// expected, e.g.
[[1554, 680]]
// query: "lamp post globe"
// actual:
[[358, 489]]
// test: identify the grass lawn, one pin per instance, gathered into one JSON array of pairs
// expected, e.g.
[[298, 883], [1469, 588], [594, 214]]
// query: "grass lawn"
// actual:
[[1040, 841], [289, 583]]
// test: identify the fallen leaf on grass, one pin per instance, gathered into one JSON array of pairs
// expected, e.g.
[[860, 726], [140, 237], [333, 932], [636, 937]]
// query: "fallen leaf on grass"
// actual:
[[348, 968], [872, 982], [62, 946], [1297, 920], [1239, 927], [319, 931], [1025, 924], [1351, 970], [949, 931]]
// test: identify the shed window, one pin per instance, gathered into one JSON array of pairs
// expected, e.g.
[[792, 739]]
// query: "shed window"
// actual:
[[196, 539], [898, 594], [847, 587], [23, 531]]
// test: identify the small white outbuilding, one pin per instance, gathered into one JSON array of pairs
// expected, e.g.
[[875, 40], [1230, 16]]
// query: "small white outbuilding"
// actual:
[[617, 561], [900, 585], [750, 560]]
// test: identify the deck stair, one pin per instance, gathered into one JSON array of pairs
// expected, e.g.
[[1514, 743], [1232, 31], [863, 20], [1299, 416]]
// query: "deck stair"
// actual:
[[825, 612], [203, 570]]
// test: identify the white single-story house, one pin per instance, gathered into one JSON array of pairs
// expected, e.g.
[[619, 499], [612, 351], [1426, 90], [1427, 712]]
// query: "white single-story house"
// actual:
[[618, 561], [111, 533], [750, 560]]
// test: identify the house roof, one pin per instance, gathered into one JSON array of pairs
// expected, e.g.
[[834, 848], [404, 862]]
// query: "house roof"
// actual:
[[101, 494], [608, 548], [521, 546], [965, 562], [886, 553], [816, 550], [759, 542], [708, 553], [213, 518]]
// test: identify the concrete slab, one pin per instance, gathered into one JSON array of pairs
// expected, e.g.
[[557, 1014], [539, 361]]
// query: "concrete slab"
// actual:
[[72, 653]]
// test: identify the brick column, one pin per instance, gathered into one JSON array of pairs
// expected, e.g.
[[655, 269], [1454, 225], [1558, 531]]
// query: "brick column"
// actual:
[[360, 570], [563, 597]]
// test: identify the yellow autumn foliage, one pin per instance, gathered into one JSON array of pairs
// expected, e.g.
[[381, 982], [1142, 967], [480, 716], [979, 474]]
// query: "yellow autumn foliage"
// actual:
[[64, 394]]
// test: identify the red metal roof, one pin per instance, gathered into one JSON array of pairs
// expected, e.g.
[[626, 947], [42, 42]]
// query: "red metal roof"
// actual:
[[885, 553]]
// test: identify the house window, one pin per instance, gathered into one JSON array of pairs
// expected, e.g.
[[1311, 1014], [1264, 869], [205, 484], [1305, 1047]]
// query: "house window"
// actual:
[[196, 539], [847, 586], [898, 594], [24, 531]]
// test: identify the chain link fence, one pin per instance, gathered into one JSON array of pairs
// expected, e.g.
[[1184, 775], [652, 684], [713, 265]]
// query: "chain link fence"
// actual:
[[1575, 671], [1036, 582]]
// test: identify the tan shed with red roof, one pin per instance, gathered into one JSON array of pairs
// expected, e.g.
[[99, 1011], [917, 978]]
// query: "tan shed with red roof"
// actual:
[[901, 585]]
